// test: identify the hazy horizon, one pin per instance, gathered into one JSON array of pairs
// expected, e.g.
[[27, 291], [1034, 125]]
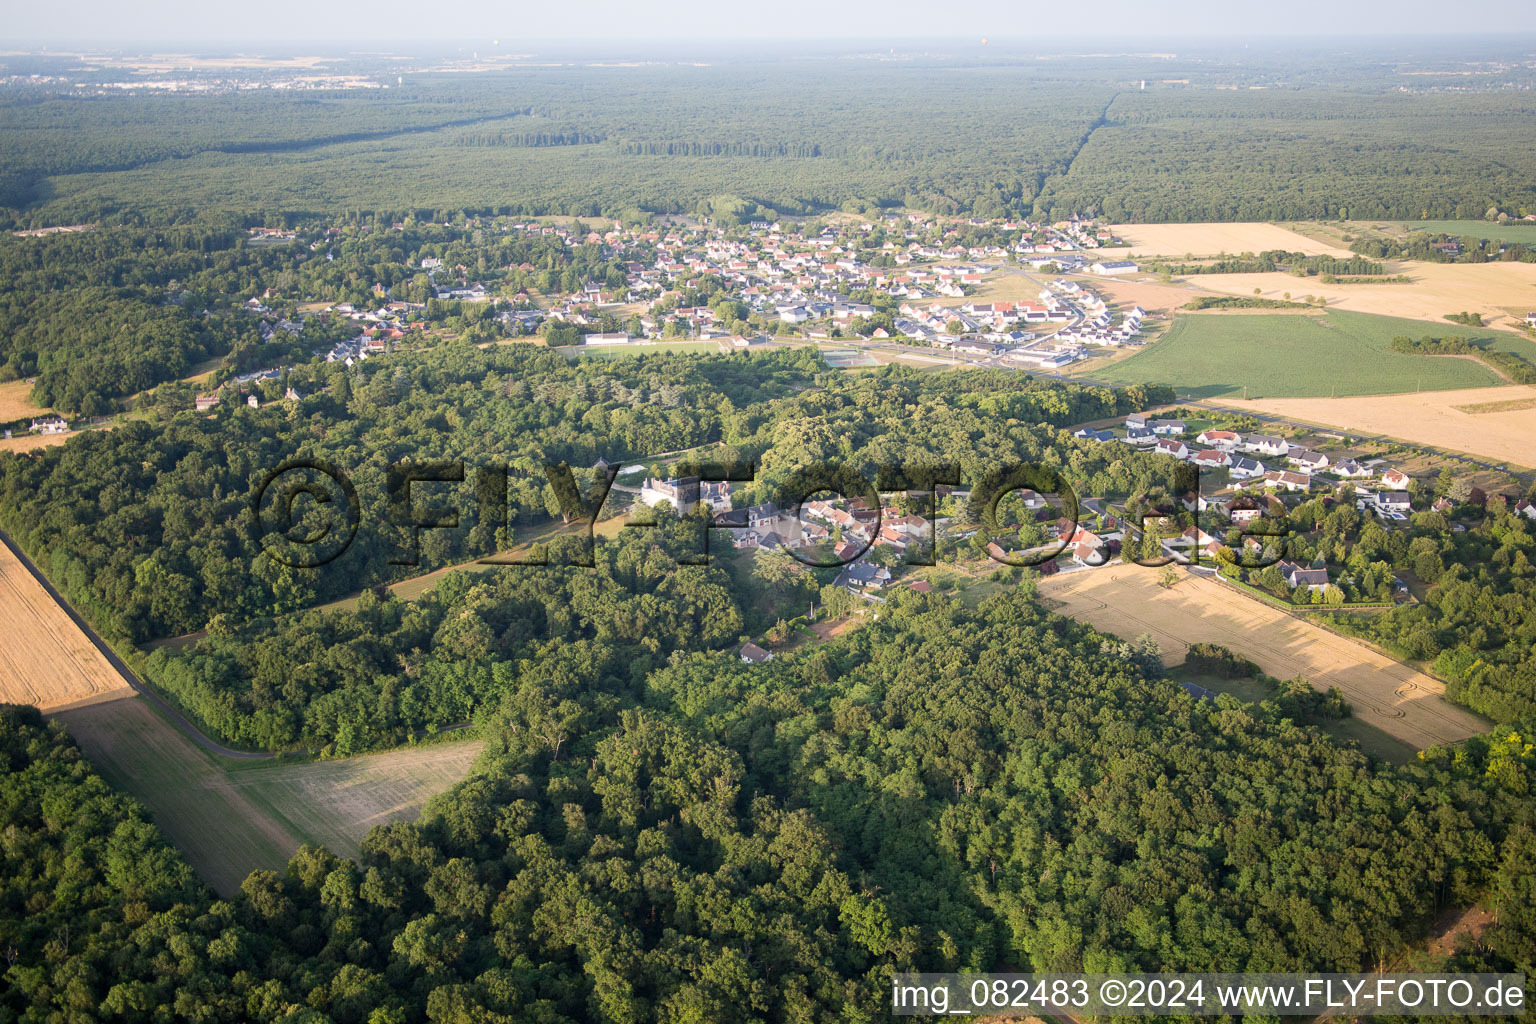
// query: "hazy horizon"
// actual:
[[351, 24]]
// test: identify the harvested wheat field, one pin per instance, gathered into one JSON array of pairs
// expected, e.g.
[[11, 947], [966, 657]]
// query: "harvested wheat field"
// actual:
[[1213, 239], [1434, 289], [1154, 298], [1495, 423], [45, 660], [1127, 600], [16, 402], [31, 442]]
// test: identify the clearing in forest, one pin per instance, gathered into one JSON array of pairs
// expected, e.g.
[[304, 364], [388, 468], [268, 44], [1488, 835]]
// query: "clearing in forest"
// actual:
[[231, 818]]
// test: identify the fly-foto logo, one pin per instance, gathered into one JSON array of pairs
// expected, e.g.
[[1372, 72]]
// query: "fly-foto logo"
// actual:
[[306, 513]]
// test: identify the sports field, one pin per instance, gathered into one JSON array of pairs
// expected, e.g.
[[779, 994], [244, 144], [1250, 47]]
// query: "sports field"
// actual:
[[1213, 239], [847, 358], [618, 351], [1127, 600], [231, 818], [1496, 423], [45, 660], [1284, 355]]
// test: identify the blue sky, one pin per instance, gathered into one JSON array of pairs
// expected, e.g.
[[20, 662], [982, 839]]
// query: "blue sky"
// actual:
[[515, 24]]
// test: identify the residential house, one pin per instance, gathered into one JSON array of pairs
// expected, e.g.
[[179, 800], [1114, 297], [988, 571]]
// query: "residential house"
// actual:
[[1167, 428], [752, 654], [1222, 440], [1395, 479], [50, 425], [1394, 501], [1296, 576], [1246, 469], [1175, 448], [202, 403], [1287, 480], [1211, 459], [863, 576], [1263, 444], [1306, 459], [1349, 469]]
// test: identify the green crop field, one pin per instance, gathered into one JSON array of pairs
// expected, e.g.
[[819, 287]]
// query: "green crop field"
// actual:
[[231, 818], [1293, 356], [1515, 231]]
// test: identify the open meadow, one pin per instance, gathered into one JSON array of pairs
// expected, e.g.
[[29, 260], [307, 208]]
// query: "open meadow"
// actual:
[[1287, 355], [1127, 600], [1433, 290], [1513, 231], [1495, 423], [45, 660], [230, 818], [1213, 239]]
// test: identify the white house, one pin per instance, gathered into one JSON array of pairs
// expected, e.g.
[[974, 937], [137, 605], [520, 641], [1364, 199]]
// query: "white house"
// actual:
[[1263, 444], [1396, 479], [1224, 440], [1211, 459], [751, 654], [1308, 460], [51, 425], [1394, 501], [1113, 268], [1174, 448], [714, 494], [1246, 469], [1349, 469]]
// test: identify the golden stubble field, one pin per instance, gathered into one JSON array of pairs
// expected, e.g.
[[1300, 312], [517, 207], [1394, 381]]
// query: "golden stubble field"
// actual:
[[1127, 601], [16, 402], [1497, 423], [1434, 289], [1212, 239], [45, 660]]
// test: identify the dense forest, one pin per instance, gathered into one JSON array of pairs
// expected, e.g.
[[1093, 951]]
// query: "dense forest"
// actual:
[[707, 841], [148, 527], [985, 138]]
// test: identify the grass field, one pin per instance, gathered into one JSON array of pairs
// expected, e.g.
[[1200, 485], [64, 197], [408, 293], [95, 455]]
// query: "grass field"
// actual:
[[45, 660], [1515, 231], [1213, 239], [231, 818], [618, 351], [1127, 600], [1496, 423], [1295, 356]]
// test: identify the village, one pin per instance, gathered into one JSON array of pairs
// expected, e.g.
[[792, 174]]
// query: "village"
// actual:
[[1237, 527]]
